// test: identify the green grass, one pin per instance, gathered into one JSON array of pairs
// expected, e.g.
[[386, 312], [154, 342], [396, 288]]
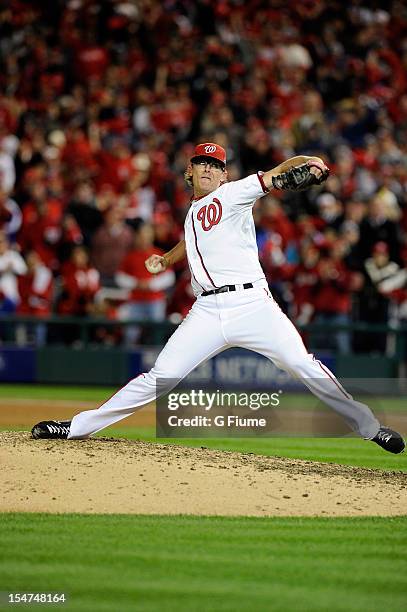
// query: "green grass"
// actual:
[[56, 392], [295, 401], [119, 563], [347, 451]]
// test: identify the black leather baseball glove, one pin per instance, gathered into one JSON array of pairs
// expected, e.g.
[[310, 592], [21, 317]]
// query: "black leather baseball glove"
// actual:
[[301, 177]]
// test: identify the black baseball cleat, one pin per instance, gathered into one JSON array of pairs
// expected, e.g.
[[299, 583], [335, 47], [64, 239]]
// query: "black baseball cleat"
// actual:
[[390, 440], [51, 430]]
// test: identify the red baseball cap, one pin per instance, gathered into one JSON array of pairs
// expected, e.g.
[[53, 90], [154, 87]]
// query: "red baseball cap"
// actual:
[[210, 149]]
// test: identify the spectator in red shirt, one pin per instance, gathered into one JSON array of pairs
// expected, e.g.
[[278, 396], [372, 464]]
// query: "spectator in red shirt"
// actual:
[[273, 217], [91, 59], [45, 229], [41, 223], [36, 294], [116, 166], [80, 284], [333, 294], [305, 280], [77, 150], [147, 299]]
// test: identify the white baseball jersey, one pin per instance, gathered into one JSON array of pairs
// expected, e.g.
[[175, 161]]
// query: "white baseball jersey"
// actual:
[[220, 236]]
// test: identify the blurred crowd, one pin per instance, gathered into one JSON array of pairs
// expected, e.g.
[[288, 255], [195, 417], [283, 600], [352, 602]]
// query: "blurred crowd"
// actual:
[[102, 101]]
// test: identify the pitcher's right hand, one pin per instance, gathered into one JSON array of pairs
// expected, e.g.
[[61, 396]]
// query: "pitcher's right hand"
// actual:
[[155, 264]]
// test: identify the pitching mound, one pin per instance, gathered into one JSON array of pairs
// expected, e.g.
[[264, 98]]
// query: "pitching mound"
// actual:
[[106, 475]]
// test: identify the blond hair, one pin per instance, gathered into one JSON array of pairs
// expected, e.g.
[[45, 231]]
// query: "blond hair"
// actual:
[[188, 178]]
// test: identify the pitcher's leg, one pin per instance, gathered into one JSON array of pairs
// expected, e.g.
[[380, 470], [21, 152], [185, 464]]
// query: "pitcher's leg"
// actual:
[[273, 335], [321, 381], [198, 338]]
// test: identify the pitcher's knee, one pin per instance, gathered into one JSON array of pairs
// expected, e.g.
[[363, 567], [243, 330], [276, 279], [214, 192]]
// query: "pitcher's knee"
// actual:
[[164, 378], [146, 378]]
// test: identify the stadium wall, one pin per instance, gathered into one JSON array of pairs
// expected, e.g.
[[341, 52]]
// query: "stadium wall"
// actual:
[[113, 366]]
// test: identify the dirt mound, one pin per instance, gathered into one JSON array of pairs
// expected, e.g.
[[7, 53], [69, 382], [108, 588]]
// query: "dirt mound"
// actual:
[[106, 475]]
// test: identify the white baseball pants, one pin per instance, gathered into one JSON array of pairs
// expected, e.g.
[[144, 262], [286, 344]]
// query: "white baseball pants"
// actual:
[[249, 319]]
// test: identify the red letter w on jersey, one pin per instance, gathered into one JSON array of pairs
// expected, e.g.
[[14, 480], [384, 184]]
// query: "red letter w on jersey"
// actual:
[[210, 215]]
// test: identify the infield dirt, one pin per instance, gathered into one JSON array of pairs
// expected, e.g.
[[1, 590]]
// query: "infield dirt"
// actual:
[[106, 475]]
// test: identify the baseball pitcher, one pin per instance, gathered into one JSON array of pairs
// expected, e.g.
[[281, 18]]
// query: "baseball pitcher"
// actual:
[[234, 306]]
